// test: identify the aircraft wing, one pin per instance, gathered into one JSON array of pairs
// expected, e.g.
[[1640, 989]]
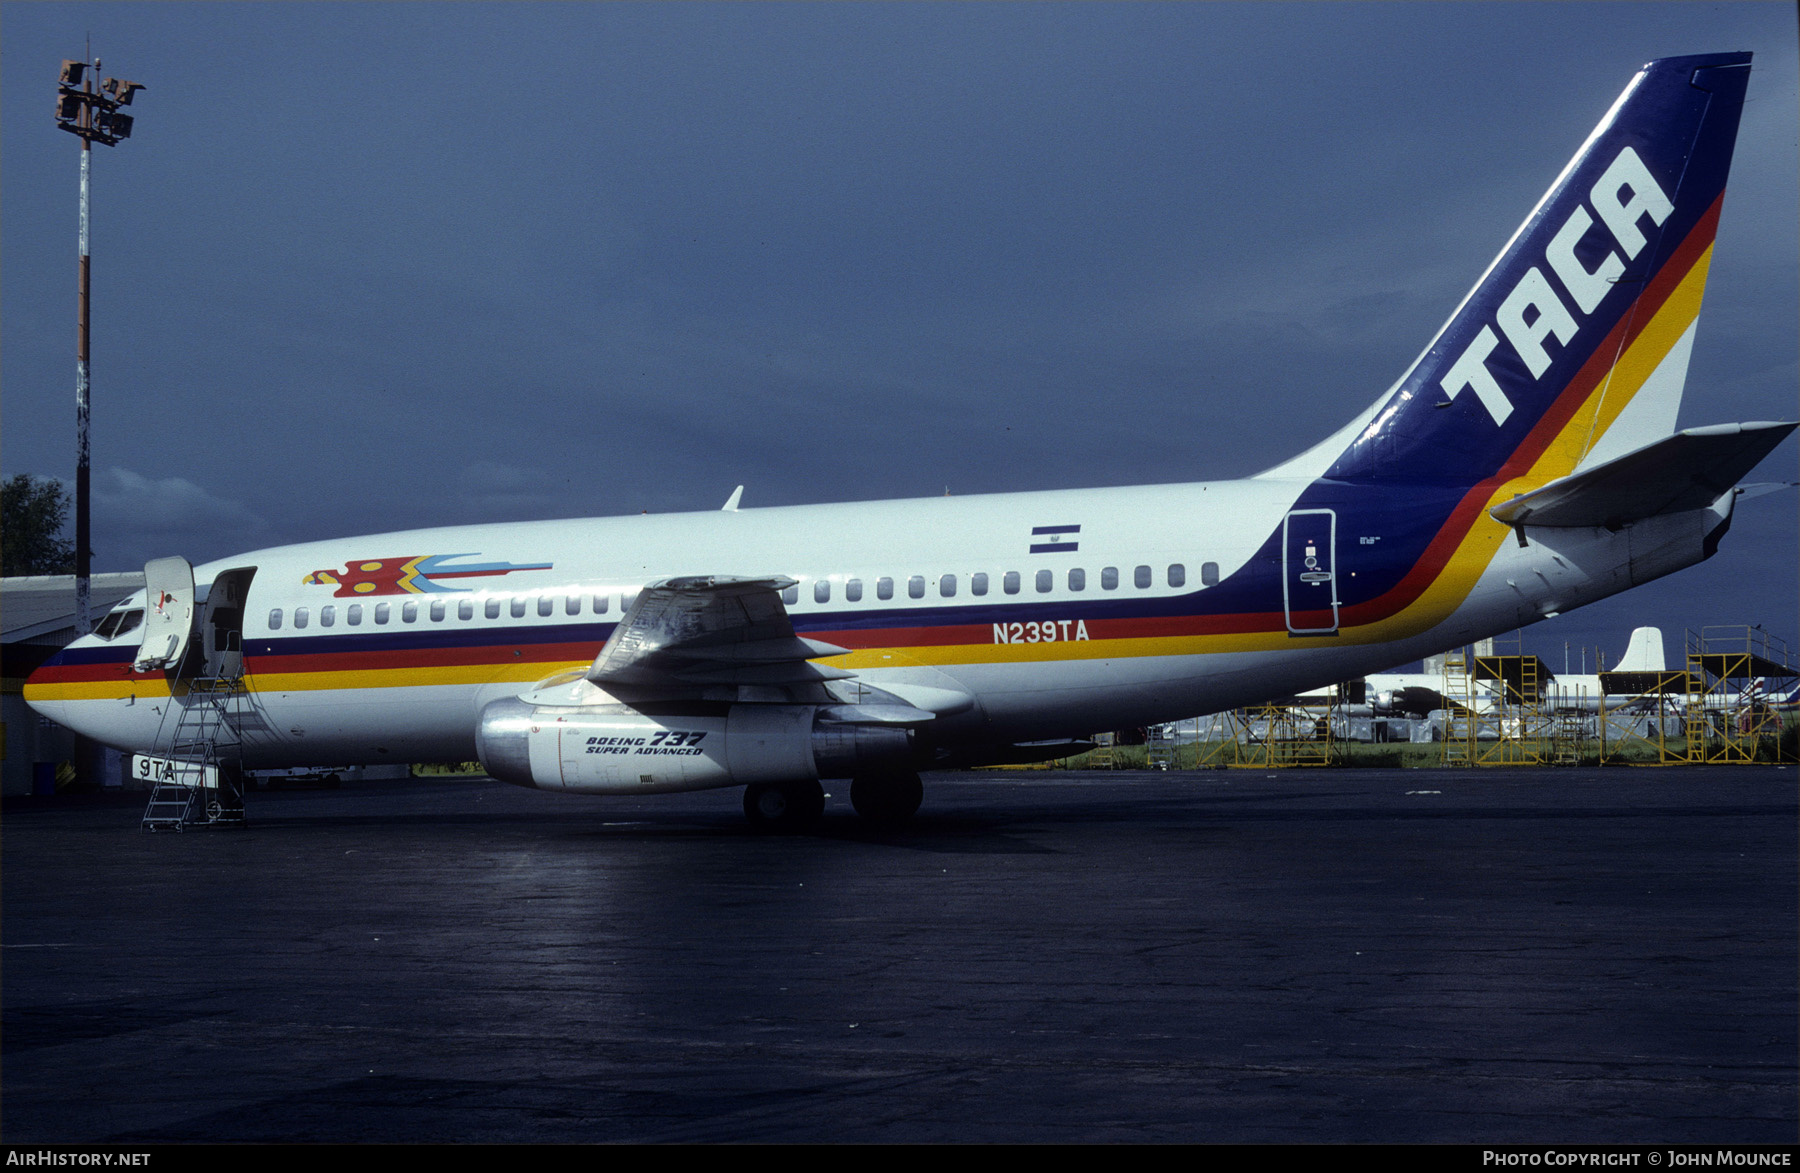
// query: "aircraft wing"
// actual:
[[683, 634], [1688, 470], [722, 638]]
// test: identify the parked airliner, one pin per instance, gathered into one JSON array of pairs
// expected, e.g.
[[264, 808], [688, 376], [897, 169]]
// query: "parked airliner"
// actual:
[[1418, 694], [1525, 463]]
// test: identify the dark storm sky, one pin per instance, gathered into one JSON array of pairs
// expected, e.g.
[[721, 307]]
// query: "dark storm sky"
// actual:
[[367, 266]]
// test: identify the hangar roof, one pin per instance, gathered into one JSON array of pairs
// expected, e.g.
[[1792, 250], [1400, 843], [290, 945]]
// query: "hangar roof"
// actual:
[[40, 609]]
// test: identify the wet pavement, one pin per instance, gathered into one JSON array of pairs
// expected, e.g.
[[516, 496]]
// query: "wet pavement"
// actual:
[[1358, 955]]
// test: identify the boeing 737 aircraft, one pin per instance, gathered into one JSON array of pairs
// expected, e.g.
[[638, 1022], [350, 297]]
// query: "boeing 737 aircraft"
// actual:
[[1526, 463]]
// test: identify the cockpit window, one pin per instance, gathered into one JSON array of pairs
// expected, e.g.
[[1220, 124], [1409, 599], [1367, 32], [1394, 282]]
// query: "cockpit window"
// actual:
[[120, 622]]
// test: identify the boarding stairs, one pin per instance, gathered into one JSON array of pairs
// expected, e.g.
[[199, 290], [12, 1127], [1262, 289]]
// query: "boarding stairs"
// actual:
[[200, 782]]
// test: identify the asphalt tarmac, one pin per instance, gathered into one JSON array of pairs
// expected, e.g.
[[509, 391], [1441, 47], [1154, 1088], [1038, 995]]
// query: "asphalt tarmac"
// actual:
[[1531, 956]]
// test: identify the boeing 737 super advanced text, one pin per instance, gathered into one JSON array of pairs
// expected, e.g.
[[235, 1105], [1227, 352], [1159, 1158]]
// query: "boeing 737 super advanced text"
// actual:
[[1526, 463]]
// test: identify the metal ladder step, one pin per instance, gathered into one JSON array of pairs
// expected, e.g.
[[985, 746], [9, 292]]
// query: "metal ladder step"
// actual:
[[194, 747]]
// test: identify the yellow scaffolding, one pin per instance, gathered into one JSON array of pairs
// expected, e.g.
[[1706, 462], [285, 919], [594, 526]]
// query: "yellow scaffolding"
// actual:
[[1568, 728], [1732, 674], [1460, 723], [1274, 736], [1516, 718], [1636, 731]]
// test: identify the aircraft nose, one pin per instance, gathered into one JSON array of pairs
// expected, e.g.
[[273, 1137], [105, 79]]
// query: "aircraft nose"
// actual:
[[41, 691], [60, 684]]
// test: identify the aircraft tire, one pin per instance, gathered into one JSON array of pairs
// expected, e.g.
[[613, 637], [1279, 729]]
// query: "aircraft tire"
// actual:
[[887, 798], [784, 807]]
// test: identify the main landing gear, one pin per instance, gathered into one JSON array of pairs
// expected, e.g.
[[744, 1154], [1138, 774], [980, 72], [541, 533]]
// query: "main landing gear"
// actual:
[[884, 798], [784, 806]]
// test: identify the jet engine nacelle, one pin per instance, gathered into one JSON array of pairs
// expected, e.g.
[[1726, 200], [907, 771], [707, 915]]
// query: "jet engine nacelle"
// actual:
[[615, 749], [1408, 701]]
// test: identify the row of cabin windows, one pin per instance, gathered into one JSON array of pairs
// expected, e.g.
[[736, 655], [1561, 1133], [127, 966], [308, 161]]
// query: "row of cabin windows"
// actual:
[[1011, 583], [518, 607], [438, 610]]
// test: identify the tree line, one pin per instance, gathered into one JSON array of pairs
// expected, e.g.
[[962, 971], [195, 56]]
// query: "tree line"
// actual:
[[31, 523]]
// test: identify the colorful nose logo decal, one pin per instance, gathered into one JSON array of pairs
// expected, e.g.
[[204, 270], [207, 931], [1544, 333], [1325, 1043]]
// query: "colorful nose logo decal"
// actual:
[[417, 575]]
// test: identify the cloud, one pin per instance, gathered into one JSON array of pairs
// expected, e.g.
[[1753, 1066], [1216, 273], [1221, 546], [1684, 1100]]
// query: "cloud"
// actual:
[[130, 501], [489, 491], [137, 518]]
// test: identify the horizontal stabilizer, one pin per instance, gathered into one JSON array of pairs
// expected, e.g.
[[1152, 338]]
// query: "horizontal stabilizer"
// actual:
[[1689, 470]]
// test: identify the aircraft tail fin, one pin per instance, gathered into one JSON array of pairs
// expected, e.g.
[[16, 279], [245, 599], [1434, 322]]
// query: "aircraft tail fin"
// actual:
[[1644, 652], [1572, 348]]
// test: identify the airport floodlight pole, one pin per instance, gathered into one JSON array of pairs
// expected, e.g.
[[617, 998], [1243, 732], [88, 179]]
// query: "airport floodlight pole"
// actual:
[[93, 116]]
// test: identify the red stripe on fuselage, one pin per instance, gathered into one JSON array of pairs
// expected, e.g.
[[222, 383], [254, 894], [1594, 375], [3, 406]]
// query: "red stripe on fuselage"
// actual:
[[1555, 418]]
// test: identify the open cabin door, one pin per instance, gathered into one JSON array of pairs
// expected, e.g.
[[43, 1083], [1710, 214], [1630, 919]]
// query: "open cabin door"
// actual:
[[168, 614], [222, 629]]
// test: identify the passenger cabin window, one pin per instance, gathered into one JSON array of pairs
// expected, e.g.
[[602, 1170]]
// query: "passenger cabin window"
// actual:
[[791, 595], [1010, 584], [353, 615], [275, 619], [465, 609], [627, 599], [572, 605], [947, 586], [1045, 580], [327, 615], [1177, 575], [853, 591], [518, 608], [491, 610], [299, 617], [1141, 578], [1078, 580], [978, 584], [822, 591], [1209, 574], [884, 588], [915, 587], [409, 612], [437, 610], [382, 610], [1109, 578], [600, 603]]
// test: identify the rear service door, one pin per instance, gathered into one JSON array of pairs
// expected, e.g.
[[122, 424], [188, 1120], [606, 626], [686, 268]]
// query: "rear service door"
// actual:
[[1309, 571]]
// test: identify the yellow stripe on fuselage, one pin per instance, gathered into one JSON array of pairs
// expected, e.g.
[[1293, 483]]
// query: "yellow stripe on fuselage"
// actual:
[[1621, 385], [1612, 393], [1436, 603]]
